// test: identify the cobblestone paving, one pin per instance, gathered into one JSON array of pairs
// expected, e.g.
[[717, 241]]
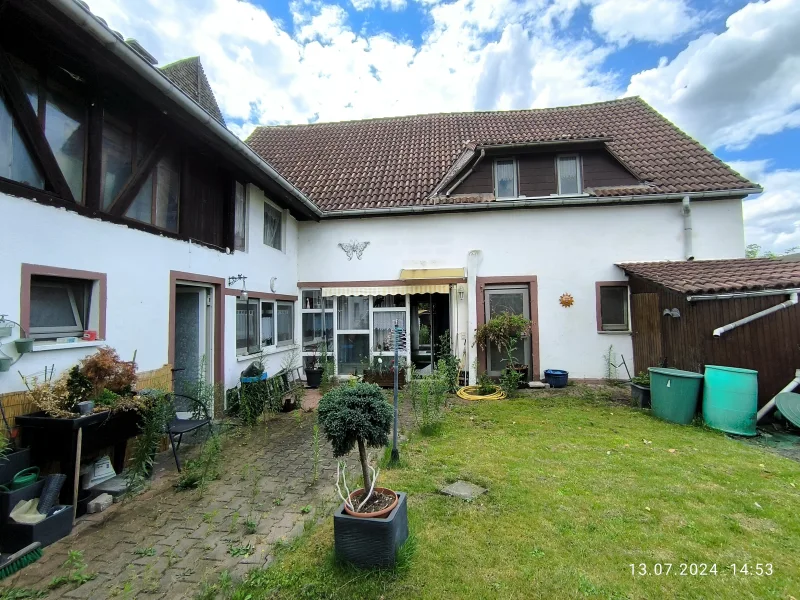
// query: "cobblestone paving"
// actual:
[[165, 543]]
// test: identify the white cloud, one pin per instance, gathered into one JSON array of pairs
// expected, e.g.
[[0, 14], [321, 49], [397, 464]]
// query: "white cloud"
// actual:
[[492, 53], [772, 219], [384, 4], [730, 88], [660, 21]]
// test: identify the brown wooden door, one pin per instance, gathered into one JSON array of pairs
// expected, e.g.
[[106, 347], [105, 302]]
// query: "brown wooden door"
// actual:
[[646, 327]]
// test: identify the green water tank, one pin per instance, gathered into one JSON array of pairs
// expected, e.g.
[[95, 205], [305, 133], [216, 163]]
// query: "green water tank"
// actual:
[[730, 399], [674, 394]]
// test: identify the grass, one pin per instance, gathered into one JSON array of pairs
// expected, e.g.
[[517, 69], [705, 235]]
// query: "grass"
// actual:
[[579, 489]]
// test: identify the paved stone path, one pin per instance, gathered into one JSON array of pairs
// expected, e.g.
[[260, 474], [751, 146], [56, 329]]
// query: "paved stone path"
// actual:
[[165, 543]]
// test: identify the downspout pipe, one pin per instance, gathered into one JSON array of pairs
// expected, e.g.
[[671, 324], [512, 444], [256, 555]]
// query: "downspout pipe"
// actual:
[[86, 21], [771, 404], [686, 209], [790, 302]]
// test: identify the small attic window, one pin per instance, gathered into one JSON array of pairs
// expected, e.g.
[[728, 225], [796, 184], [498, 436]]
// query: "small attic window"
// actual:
[[569, 175], [505, 178]]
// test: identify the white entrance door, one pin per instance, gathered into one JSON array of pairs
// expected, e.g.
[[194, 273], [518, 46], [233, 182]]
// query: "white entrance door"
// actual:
[[193, 350], [514, 300]]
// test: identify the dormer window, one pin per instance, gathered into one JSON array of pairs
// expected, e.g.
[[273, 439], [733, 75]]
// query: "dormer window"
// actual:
[[505, 178], [569, 175]]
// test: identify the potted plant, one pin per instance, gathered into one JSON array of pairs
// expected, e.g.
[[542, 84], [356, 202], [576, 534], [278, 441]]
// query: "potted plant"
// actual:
[[5, 363], [24, 345], [314, 373], [372, 522], [381, 371], [640, 389], [504, 331]]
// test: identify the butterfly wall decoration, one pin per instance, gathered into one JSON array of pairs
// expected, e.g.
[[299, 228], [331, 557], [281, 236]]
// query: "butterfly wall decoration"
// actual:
[[354, 248]]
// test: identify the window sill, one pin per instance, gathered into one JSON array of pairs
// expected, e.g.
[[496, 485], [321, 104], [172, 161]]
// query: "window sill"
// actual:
[[47, 345], [614, 332], [267, 352]]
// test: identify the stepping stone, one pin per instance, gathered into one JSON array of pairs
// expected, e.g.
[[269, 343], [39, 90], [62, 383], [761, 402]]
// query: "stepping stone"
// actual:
[[464, 490]]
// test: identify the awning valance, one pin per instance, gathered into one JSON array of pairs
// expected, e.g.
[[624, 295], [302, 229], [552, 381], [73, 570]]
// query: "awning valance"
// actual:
[[387, 290]]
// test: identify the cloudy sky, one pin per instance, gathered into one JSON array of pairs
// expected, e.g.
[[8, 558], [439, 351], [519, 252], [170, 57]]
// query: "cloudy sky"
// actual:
[[725, 71]]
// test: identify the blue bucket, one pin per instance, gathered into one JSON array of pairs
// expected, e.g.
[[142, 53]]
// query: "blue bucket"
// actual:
[[556, 377]]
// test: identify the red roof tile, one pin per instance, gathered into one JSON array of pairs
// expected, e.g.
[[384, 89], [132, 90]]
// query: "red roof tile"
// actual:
[[713, 276], [399, 161]]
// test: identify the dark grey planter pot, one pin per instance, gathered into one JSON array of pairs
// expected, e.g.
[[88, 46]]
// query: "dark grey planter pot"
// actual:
[[641, 395], [14, 462], [314, 377], [371, 543]]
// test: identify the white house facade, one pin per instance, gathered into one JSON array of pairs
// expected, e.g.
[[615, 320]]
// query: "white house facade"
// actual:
[[131, 217]]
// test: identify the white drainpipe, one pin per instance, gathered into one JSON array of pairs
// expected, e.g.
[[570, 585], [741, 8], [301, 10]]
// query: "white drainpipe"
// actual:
[[473, 260], [686, 209], [769, 405], [790, 302]]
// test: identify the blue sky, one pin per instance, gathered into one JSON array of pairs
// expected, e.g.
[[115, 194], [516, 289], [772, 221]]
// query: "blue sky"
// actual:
[[726, 71]]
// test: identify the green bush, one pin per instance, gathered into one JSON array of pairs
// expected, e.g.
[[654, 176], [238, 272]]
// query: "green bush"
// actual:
[[353, 415], [448, 363], [427, 395]]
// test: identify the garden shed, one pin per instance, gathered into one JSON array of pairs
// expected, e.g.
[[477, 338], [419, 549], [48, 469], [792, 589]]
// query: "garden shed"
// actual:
[[736, 313]]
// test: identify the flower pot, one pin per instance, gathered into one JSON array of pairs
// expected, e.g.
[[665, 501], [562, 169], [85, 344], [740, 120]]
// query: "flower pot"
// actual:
[[24, 345], [314, 377], [5, 330], [372, 515], [86, 407], [5, 363], [14, 462], [369, 543], [640, 395]]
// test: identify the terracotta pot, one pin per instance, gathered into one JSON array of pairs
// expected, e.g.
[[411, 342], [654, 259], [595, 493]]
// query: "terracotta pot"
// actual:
[[373, 515]]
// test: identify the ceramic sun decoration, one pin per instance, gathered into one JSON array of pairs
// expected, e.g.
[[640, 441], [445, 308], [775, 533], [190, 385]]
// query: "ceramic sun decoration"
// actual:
[[566, 300]]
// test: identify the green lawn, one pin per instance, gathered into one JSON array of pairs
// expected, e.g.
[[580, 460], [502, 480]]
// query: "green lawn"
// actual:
[[576, 495]]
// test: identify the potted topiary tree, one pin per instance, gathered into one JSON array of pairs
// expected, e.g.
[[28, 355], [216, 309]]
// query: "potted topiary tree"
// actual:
[[505, 331], [372, 522]]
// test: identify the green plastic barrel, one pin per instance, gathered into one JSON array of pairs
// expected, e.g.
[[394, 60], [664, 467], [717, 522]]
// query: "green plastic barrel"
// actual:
[[674, 394], [730, 399]]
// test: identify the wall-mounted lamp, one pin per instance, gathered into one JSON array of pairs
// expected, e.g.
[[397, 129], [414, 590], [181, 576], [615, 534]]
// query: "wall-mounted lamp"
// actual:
[[674, 313], [461, 292], [233, 279]]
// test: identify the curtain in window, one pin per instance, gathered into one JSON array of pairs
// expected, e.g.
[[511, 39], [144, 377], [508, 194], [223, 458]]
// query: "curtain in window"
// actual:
[[506, 176], [272, 226], [267, 324], [353, 313], [168, 188], [285, 323], [246, 327], [568, 175], [383, 326], [240, 220], [15, 161]]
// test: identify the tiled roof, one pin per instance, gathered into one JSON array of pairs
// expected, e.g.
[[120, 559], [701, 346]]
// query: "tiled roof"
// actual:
[[713, 276], [188, 74], [399, 161]]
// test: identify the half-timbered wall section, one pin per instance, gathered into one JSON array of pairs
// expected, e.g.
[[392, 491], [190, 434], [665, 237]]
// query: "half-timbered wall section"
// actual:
[[93, 146]]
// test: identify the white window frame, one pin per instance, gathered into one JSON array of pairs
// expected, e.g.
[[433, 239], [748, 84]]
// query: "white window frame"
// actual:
[[246, 350], [516, 178], [290, 341], [282, 213], [246, 198], [579, 167], [316, 311], [61, 331]]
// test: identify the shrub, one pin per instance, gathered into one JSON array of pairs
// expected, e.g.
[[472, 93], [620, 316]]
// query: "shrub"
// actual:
[[353, 415], [106, 370], [428, 395], [448, 363]]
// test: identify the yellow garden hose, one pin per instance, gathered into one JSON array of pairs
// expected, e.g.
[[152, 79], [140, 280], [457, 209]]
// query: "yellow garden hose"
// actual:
[[468, 393]]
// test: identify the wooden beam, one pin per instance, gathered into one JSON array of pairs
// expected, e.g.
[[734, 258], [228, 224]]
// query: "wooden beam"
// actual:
[[135, 181], [94, 155], [229, 214], [21, 110]]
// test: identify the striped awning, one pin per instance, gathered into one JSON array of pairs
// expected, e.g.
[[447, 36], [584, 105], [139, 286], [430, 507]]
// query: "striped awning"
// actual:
[[387, 290]]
